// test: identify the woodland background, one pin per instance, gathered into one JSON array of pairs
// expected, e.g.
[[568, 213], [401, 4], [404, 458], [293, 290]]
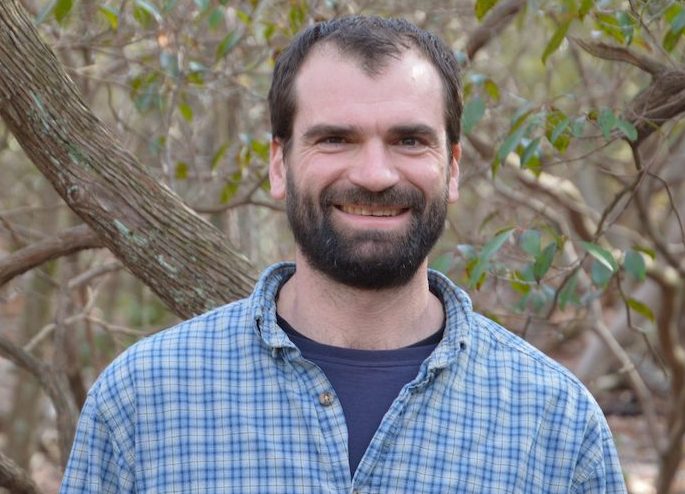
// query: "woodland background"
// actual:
[[133, 190]]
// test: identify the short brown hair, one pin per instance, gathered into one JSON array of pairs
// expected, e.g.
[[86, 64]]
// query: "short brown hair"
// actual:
[[372, 41]]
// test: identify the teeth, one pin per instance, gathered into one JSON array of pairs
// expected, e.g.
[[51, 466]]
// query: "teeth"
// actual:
[[364, 211]]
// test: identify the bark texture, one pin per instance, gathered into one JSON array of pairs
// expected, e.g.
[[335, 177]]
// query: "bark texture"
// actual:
[[187, 262]]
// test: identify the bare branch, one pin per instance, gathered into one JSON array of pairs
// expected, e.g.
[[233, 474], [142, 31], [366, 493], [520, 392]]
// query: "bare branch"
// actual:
[[69, 241], [498, 18], [621, 54], [14, 478], [186, 261], [67, 413]]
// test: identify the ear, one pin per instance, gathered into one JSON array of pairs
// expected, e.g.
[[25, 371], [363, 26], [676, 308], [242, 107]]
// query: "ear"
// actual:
[[453, 184], [277, 170]]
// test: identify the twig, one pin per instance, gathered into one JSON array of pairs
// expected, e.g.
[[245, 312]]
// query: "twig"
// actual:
[[69, 241], [498, 18], [67, 413]]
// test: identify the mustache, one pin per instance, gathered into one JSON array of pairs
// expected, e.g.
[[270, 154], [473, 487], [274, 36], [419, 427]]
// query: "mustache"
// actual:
[[396, 196]]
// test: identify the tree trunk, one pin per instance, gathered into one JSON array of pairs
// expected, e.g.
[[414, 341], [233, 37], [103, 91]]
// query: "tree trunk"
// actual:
[[187, 262]]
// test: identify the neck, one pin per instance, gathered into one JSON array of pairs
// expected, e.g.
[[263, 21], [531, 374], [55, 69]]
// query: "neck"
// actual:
[[338, 315]]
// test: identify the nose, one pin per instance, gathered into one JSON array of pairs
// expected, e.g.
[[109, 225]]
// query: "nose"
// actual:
[[373, 168]]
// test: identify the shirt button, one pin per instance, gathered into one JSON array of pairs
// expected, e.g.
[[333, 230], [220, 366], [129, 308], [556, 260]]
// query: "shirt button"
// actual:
[[326, 399]]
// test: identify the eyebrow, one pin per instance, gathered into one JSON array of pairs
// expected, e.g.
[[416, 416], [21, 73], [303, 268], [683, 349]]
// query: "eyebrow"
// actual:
[[405, 130], [321, 130], [415, 130]]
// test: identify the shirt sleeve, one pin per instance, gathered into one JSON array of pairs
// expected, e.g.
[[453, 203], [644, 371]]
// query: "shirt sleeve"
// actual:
[[599, 470], [96, 464]]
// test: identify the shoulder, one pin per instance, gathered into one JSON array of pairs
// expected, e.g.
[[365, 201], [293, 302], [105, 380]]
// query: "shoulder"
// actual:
[[170, 350], [497, 346]]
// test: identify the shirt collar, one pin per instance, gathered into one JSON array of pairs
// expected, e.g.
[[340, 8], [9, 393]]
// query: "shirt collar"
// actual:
[[456, 303]]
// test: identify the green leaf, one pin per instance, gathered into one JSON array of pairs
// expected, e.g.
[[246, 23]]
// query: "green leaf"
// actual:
[[605, 257], [556, 125], [530, 153], [186, 111], [678, 24], [260, 148], [62, 9], [511, 142], [491, 89], [215, 18], [481, 264], [519, 283], [244, 17], [544, 261], [649, 252], [568, 292], [627, 128], [181, 172], [634, 264], [218, 156], [585, 7], [610, 25], [474, 109], [600, 274], [530, 242], [495, 243], [169, 62], [578, 126], [202, 5], [627, 25], [607, 122], [482, 7], [555, 40], [228, 191], [111, 15], [148, 7], [671, 39], [641, 308], [297, 15], [227, 44], [168, 5]]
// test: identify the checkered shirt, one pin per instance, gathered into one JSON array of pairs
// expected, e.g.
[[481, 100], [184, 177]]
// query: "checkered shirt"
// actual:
[[225, 403]]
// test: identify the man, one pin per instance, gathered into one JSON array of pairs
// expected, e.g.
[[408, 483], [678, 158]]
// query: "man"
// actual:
[[356, 369]]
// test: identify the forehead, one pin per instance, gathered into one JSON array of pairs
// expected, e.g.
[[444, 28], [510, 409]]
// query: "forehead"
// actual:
[[332, 87]]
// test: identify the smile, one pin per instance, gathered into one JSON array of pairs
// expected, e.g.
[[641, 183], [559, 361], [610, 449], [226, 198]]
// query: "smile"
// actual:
[[370, 211]]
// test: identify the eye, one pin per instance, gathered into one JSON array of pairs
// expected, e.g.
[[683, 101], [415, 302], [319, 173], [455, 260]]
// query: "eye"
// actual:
[[409, 142], [332, 140]]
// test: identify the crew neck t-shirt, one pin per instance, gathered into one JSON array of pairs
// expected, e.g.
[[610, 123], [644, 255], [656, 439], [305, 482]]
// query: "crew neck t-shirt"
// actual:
[[365, 381]]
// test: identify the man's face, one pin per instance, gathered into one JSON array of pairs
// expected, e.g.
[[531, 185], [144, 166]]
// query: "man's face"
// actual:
[[368, 174]]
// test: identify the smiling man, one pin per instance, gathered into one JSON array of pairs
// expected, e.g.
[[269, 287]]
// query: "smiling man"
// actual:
[[355, 369]]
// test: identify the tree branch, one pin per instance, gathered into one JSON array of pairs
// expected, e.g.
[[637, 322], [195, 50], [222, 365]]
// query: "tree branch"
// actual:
[[67, 413], [498, 18], [656, 104], [620, 54], [186, 261], [69, 241], [14, 478]]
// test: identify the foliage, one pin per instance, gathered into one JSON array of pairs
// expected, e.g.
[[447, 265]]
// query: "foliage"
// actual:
[[564, 207]]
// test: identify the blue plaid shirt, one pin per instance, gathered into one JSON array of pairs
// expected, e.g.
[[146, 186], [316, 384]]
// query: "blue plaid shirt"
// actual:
[[226, 403]]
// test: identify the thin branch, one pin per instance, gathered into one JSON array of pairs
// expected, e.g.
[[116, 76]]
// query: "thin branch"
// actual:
[[620, 54], [69, 241], [628, 367], [14, 478], [495, 22], [67, 413]]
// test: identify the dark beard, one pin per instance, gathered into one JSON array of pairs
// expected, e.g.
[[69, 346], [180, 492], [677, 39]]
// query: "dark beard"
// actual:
[[370, 260]]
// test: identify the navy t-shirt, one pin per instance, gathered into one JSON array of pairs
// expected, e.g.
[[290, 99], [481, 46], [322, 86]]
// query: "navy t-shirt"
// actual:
[[365, 381]]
